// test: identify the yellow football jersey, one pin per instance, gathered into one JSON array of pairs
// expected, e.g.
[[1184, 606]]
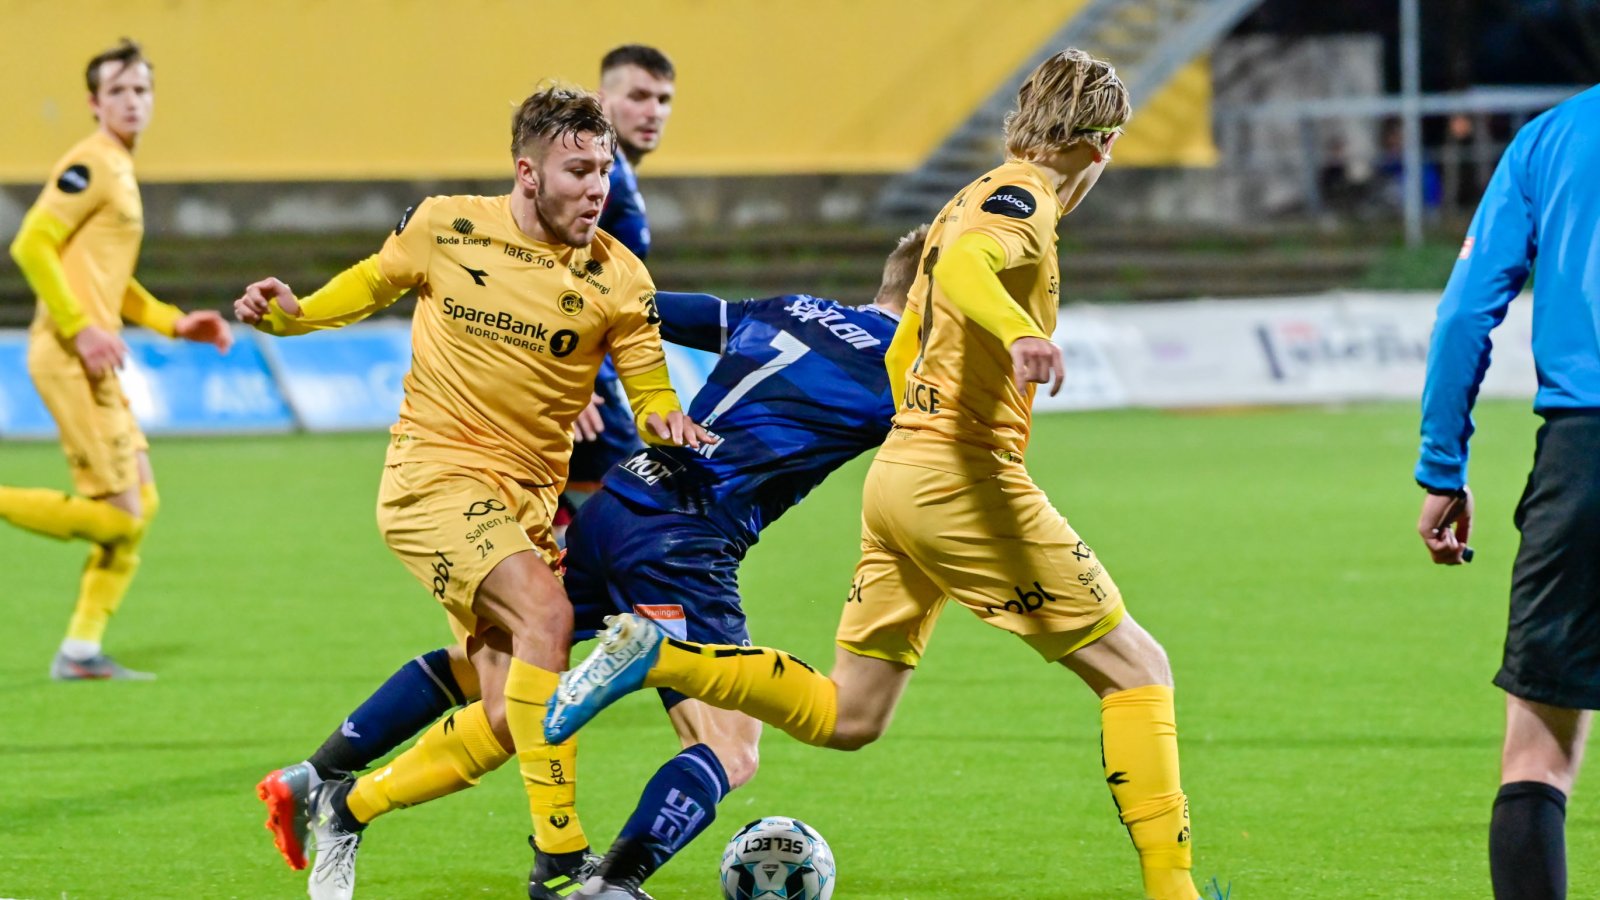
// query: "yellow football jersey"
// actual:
[[961, 386], [92, 190], [508, 335]]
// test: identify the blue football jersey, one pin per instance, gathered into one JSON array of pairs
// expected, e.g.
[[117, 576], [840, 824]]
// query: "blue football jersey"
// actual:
[[800, 389], [623, 216]]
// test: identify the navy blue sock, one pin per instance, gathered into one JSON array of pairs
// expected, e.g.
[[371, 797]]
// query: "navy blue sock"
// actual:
[[678, 803], [420, 692]]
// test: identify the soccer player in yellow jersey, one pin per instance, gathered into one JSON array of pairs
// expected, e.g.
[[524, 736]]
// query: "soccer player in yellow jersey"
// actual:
[[519, 298], [949, 509], [77, 248]]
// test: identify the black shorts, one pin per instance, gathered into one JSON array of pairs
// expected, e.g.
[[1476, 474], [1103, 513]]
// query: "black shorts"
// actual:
[[1552, 651]]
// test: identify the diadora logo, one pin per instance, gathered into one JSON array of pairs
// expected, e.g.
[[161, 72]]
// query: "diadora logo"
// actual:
[[479, 276], [571, 303], [1027, 601], [463, 226], [1011, 201], [483, 508]]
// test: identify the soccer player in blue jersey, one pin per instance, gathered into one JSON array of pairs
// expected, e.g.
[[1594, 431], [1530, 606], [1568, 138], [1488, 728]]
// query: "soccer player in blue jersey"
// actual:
[[1540, 205], [636, 91], [800, 389]]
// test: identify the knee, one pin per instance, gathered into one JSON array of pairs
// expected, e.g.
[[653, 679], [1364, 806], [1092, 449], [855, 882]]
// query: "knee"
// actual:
[[855, 735], [739, 763], [494, 709]]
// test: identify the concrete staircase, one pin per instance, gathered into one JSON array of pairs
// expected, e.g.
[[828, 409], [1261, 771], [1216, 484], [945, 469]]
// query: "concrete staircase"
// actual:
[[1147, 40]]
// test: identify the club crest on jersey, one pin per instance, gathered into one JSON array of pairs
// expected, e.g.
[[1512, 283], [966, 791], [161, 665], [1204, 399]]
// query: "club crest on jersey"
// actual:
[[571, 303], [74, 180], [1010, 201]]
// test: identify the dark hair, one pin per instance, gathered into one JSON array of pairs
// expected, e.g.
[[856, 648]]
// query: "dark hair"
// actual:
[[645, 57], [127, 52], [556, 111]]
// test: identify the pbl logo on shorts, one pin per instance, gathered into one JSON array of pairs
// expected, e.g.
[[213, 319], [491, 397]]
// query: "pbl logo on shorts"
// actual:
[[669, 617], [1027, 601]]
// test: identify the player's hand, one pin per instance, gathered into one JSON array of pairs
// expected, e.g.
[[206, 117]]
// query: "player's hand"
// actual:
[[205, 327], [1445, 524], [1038, 361], [100, 350], [590, 424], [257, 301], [677, 429]]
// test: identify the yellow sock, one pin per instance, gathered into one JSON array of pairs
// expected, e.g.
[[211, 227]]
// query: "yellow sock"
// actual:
[[108, 573], [1139, 744], [549, 771], [450, 756], [105, 581], [62, 516], [760, 682]]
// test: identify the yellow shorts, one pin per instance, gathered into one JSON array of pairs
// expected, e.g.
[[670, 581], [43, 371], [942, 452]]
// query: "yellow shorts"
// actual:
[[989, 539], [98, 433], [451, 526]]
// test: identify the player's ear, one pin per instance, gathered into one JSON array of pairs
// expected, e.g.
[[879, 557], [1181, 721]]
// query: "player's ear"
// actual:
[[527, 174]]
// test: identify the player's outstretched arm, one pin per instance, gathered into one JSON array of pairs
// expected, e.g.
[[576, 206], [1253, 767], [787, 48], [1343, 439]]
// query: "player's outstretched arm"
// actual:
[[202, 326], [658, 414], [699, 321], [354, 294], [968, 273]]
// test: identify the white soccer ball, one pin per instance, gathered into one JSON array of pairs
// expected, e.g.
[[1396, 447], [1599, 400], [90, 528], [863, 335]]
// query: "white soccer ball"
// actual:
[[777, 858]]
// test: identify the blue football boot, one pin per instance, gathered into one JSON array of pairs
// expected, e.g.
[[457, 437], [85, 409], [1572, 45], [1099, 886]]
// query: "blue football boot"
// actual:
[[629, 647]]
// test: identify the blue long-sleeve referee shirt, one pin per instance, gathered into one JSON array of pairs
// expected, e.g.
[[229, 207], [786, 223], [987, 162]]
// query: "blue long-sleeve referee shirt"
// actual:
[[1543, 204]]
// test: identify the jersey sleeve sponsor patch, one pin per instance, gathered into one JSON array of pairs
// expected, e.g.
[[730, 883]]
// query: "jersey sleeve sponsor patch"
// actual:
[[1011, 201], [74, 180], [405, 219]]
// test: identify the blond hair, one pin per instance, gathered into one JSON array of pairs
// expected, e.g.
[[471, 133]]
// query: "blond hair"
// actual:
[[1070, 97], [900, 270]]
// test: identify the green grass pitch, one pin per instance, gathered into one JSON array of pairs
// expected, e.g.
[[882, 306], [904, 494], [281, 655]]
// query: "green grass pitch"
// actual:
[[1340, 736]]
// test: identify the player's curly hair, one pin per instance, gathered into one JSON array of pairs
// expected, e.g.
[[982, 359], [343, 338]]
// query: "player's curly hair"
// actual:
[[127, 51], [555, 112], [1069, 98]]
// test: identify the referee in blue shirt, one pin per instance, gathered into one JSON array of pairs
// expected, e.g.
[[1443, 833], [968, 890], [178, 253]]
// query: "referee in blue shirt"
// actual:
[[1541, 208]]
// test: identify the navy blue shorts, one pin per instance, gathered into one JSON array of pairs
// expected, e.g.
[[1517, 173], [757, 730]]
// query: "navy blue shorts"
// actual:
[[677, 570], [591, 460]]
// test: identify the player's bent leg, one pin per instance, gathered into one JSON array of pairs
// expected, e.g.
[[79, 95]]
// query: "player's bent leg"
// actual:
[[1527, 831], [869, 689], [106, 577], [680, 801], [768, 684], [522, 597], [1128, 669]]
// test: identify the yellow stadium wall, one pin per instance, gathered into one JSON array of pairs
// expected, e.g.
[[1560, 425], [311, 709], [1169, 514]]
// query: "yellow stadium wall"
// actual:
[[418, 89]]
